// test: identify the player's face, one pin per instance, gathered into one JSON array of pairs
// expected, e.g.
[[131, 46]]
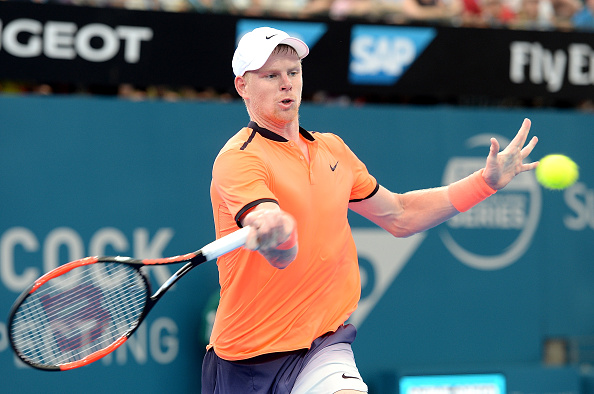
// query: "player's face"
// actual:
[[273, 93]]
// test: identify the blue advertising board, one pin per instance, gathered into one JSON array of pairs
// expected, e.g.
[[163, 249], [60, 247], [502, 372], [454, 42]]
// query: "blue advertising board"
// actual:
[[95, 176]]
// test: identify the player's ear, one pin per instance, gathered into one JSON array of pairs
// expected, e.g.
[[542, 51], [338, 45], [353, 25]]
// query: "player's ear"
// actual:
[[240, 84]]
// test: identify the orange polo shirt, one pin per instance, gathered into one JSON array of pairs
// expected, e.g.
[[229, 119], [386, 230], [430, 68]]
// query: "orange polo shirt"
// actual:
[[264, 309]]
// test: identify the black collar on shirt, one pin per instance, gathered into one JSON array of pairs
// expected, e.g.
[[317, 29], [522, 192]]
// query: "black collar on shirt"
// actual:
[[275, 137]]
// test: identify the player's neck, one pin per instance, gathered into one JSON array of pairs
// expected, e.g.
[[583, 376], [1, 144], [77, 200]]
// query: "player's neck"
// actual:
[[288, 130]]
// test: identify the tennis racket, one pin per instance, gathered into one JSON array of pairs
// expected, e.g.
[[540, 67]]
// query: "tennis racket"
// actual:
[[85, 309]]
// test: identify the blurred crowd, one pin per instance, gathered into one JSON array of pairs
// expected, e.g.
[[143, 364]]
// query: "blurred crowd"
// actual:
[[553, 15], [518, 14]]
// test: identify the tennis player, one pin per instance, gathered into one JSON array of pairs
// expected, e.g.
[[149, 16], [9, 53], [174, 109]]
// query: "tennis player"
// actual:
[[280, 326]]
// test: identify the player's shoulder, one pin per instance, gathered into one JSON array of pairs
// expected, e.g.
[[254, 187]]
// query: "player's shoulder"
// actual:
[[242, 150], [238, 142]]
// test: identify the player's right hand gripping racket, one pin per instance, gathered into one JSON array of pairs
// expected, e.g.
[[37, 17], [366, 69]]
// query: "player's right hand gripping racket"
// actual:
[[85, 309]]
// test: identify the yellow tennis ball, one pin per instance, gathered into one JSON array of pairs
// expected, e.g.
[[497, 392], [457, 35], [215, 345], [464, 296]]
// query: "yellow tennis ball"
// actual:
[[557, 172]]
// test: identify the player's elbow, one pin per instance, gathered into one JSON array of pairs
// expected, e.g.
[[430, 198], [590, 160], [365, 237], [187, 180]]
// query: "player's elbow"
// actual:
[[400, 227], [399, 232]]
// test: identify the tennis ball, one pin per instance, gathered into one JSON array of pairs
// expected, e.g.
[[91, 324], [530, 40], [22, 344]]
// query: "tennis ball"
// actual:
[[557, 172]]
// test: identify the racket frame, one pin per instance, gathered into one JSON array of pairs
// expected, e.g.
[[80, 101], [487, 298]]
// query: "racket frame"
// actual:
[[209, 252]]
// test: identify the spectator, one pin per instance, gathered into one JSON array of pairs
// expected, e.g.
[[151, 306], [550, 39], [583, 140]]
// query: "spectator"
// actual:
[[495, 13], [487, 13], [245, 7], [129, 92], [563, 12], [471, 14], [215, 6], [315, 8], [285, 8], [431, 10], [584, 18], [532, 15], [343, 9], [12, 87], [42, 89], [391, 10], [136, 4]]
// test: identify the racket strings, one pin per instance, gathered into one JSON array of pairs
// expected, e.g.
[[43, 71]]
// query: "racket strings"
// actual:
[[73, 316]]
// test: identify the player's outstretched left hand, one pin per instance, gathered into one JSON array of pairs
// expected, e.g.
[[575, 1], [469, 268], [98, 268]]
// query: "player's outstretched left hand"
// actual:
[[503, 166]]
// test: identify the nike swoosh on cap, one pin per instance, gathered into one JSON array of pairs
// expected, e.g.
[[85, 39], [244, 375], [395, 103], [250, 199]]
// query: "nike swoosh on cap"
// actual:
[[269, 37]]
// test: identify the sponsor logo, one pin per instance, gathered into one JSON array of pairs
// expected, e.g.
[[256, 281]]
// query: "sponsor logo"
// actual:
[[531, 62], [492, 235], [380, 55], [308, 32], [95, 42], [333, 167], [499, 230], [580, 201]]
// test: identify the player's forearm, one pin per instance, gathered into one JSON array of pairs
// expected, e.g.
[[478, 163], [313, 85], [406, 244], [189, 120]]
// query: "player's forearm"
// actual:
[[406, 214], [422, 210], [403, 215]]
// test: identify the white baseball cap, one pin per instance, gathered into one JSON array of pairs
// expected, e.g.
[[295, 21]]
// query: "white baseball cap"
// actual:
[[255, 48]]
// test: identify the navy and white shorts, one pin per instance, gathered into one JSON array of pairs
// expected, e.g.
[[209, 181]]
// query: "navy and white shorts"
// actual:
[[277, 373]]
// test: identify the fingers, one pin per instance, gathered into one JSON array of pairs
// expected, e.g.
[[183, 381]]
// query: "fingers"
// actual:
[[520, 138], [494, 150], [528, 148], [524, 130], [525, 150], [502, 166], [251, 241], [270, 228], [517, 144], [526, 124], [530, 166]]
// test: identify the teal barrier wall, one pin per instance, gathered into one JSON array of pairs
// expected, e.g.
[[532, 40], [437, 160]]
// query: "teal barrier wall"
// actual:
[[481, 293]]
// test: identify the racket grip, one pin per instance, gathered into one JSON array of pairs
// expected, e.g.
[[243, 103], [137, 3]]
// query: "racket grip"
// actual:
[[225, 244]]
